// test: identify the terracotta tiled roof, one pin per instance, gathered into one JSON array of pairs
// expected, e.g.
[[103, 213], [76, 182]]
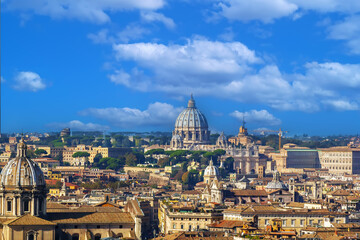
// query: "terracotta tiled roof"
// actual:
[[339, 192], [28, 220], [295, 205], [54, 205], [86, 218], [228, 224], [250, 193]]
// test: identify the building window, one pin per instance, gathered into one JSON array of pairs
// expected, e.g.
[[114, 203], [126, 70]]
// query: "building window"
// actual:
[[30, 236], [302, 223], [40, 204], [75, 236], [26, 205], [293, 222], [98, 236], [174, 226], [121, 226], [284, 223], [98, 226], [266, 221], [311, 222], [9, 206]]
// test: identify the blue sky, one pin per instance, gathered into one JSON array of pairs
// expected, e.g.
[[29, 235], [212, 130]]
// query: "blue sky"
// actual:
[[119, 65]]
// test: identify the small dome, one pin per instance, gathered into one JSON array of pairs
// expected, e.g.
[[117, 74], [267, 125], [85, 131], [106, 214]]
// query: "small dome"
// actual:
[[21, 171], [221, 141], [211, 170], [191, 117], [276, 183]]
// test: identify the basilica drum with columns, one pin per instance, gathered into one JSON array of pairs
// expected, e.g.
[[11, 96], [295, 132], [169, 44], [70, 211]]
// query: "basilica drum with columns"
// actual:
[[191, 127]]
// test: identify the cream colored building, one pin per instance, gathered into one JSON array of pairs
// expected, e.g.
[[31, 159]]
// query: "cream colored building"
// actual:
[[291, 218], [172, 220], [104, 151], [340, 160]]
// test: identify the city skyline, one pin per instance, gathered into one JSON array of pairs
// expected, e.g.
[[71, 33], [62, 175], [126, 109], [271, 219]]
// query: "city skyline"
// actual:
[[120, 66]]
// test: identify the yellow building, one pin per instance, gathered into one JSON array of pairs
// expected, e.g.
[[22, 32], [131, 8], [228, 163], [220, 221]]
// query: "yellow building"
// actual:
[[54, 192], [52, 151], [56, 175]]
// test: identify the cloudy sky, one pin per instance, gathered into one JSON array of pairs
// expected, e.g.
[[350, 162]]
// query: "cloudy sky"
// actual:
[[132, 65]]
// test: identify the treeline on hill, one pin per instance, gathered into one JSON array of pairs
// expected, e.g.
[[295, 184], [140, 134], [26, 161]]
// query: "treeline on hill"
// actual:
[[112, 140], [310, 142]]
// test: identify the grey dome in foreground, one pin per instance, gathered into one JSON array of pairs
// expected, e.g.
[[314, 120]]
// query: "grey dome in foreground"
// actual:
[[22, 171]]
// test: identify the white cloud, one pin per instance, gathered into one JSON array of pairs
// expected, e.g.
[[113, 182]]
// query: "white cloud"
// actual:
[[231, 70], [28, 81], [342, 105], [157, 114], [130, 32], [2, 79], [79, 126], [332, 75], [174, 66], [262, 117], [267, 11], [348, 6], [263, 10], [101, 37], [85, 10], [158, 17], [347, 30]]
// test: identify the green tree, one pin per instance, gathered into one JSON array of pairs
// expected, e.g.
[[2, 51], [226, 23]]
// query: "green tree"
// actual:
[[30, 153], [97, 159], [81, 154], [185, 178], [40, 152], [155, 151], [131, 159], [59, 157], [162, 162]]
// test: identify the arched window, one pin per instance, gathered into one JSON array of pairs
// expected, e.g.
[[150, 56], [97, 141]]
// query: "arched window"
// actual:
[[75, 236], [30, 236], [97, 236]]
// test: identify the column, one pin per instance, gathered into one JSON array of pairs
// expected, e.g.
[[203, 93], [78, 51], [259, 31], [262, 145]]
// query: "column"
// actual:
[[14, 206], [32, 206]]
